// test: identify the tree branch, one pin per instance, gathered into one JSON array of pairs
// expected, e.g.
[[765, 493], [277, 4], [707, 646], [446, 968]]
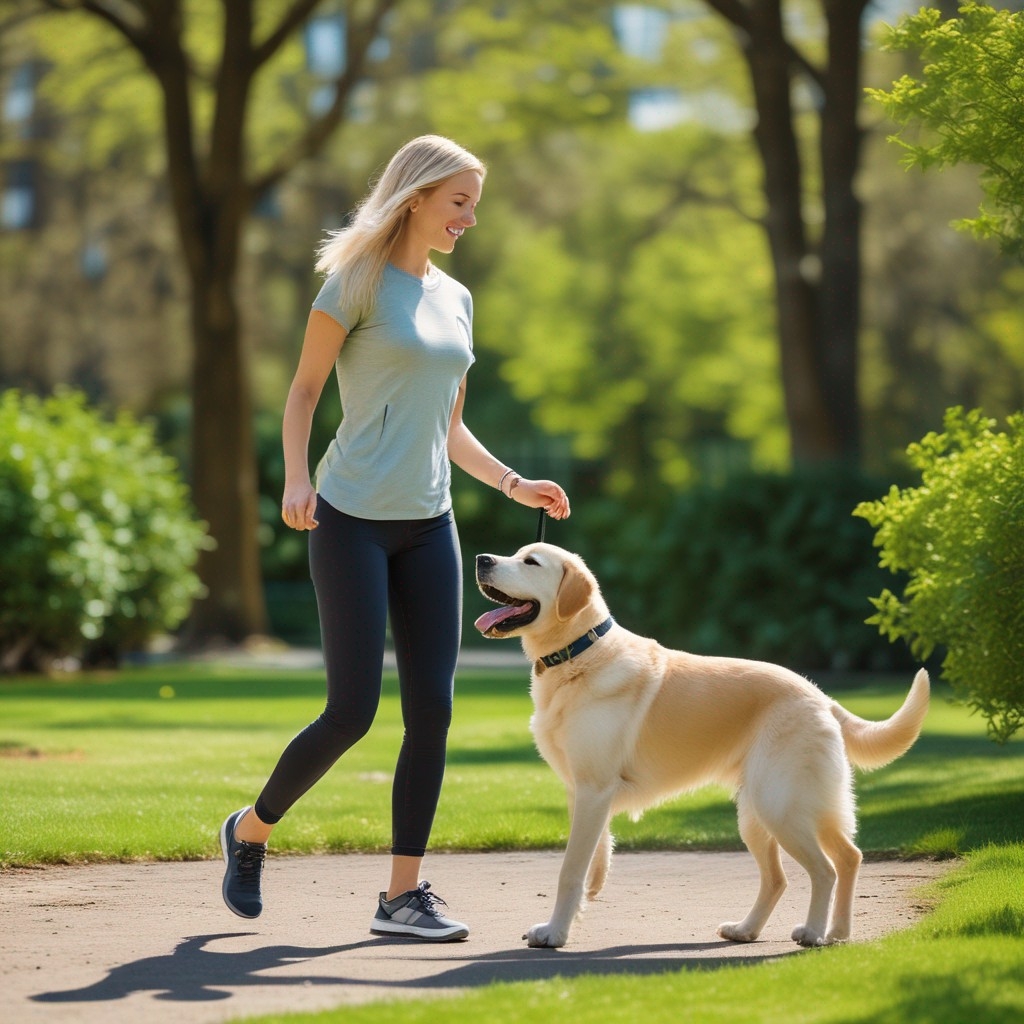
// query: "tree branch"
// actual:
[[126, 17], [20, 14], [738, 15], [292, 18], [684, 194], [319, 131]]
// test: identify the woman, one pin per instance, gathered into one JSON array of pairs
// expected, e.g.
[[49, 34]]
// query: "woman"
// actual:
[[383, 540]]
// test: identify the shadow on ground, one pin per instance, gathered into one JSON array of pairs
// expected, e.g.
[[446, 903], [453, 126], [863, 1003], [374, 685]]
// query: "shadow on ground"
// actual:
[[195, 973]]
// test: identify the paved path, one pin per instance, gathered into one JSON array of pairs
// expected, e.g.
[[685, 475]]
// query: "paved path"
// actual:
[[114, 943]]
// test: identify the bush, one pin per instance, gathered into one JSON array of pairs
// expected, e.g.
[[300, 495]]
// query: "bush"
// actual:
[[764, 566], [99, 536], [960, 537]]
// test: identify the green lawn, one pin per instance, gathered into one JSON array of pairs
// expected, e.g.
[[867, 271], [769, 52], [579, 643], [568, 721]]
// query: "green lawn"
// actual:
[[146, 764]]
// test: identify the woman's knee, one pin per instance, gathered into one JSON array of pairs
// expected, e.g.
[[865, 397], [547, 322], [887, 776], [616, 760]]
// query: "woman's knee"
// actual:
[[429, 721], [345, 723]]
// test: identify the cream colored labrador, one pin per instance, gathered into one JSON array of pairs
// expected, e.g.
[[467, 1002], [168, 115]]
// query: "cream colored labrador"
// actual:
[[626, 723]]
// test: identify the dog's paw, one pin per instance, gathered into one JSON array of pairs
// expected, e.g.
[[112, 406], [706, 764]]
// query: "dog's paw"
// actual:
[[544, 936], [735, 932], [805, 936], [836, 936]]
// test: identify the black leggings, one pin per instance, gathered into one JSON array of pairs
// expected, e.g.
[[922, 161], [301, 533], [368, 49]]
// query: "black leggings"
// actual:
[[362, 569]]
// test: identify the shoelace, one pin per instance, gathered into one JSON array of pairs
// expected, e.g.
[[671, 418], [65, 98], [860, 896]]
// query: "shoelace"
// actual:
[[430, 900], [250, 858]]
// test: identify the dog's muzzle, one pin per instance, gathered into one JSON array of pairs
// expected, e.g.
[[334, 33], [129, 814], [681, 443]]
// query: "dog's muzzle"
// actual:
[[514, 613]]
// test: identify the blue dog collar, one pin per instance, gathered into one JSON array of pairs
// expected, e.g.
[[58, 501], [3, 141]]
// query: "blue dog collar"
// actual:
[[586, 641]]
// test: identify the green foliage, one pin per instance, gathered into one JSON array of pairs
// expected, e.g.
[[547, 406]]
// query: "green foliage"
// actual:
[[969, 97], [960, 537], [762, 566], [99, 538], [614, 327]]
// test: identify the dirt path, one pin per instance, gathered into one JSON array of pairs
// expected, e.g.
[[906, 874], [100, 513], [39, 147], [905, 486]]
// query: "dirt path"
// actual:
[[116, 943]]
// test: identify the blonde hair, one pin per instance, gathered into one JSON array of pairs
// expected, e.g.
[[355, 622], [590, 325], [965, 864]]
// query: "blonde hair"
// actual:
[[360, 250]]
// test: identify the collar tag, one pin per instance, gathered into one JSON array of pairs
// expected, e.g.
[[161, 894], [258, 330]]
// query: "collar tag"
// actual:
[[565, 654]]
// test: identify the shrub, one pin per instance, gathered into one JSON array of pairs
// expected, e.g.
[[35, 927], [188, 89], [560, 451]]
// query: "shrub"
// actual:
[[764, 566], [99, 536], [960, 537]]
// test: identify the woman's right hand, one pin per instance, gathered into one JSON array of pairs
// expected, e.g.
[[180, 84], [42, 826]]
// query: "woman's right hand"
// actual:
[[298, 506]]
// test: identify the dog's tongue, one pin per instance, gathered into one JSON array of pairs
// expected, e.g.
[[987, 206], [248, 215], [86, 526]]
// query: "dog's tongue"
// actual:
[[490, 619]]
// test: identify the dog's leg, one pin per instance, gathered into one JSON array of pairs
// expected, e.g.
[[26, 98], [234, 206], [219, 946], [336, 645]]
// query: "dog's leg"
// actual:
[[600, 864], [761, 843], [602, 855], [846, 858], [809, 855], [591, 811]]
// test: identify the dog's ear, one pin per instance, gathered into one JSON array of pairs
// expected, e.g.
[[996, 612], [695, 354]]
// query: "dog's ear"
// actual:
[[574, 592]]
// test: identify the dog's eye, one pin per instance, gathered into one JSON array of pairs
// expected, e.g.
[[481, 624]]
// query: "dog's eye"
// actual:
[[530, 560]]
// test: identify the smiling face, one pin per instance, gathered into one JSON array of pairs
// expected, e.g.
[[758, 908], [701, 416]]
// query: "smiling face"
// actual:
[[438, 218], [505, 581], [546, 595]]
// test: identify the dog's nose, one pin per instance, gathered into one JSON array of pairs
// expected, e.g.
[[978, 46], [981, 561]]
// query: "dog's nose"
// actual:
[[485, 562]]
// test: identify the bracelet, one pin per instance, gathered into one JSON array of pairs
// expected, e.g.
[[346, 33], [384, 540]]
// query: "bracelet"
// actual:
[[516, 481]]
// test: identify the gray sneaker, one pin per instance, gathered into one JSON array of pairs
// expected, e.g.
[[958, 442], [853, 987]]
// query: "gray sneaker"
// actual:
[[415, 914], [241, 888]]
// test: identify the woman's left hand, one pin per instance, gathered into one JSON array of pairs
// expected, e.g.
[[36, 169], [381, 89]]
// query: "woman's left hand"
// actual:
[[545, 494]]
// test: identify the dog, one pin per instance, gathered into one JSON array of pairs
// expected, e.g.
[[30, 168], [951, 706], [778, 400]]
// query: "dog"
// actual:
[[626, 723]]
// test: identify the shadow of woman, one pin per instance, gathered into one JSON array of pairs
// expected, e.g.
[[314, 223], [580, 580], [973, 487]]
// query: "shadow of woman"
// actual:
[[193, 973]]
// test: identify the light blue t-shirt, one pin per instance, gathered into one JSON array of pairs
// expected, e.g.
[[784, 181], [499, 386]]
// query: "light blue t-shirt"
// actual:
[[398, 373]]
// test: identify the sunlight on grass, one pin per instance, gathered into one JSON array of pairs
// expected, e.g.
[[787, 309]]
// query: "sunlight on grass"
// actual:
[[987, 900], [107, 766], [943, 842]]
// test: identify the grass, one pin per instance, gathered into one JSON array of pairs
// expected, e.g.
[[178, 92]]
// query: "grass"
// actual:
[[144, 764]]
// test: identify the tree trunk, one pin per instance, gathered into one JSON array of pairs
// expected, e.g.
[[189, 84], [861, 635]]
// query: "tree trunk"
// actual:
[[817, 282], [224, 472], [224, 467], [211, 201], [812, 431], [839, 292]]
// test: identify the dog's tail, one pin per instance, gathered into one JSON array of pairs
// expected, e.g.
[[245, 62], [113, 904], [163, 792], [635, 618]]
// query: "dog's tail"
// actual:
[[873, 744]]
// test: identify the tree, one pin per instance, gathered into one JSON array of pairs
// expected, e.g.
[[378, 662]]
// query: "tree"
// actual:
[[803, 104], [215, 182], [968, 98], [817, 276]]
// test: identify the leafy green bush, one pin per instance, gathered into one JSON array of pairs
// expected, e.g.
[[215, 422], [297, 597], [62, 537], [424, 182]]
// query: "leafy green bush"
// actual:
[[764, 566], [99, 539], [960, 536]]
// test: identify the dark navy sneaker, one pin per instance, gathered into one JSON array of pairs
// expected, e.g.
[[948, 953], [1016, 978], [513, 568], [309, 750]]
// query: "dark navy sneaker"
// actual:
[[244, 862], [415, 914]]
